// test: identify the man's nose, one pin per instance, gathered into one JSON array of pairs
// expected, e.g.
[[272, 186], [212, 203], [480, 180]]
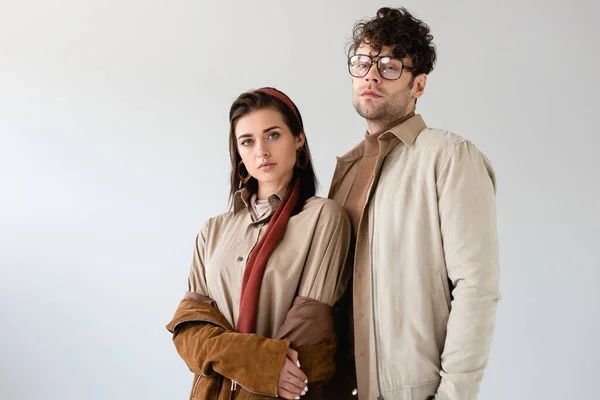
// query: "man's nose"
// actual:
[[373, 74]]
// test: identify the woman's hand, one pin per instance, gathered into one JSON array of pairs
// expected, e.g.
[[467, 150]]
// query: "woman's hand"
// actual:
[[292, 381]]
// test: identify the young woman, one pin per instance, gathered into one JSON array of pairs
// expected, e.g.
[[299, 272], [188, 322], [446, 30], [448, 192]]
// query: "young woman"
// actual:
[[256, 321]]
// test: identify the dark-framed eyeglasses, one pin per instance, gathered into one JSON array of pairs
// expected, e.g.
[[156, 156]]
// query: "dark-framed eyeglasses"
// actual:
[[389, 68]]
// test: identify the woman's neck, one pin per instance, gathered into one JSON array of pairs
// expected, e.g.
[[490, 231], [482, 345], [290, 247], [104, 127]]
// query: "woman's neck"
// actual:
[[265, 189]]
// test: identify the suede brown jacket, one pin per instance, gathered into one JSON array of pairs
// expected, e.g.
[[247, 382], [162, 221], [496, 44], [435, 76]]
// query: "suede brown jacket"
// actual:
[[217, 355]]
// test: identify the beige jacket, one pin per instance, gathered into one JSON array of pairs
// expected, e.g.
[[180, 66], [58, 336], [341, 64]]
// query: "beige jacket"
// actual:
[[426, 269]]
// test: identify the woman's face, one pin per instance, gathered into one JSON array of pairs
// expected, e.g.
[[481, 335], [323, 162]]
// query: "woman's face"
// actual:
[[267, 147]]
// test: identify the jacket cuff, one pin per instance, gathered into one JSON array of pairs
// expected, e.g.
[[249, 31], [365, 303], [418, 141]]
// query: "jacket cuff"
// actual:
[[308, 323]]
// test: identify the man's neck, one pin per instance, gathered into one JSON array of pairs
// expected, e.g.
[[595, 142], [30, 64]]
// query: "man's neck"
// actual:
[[375, 127]]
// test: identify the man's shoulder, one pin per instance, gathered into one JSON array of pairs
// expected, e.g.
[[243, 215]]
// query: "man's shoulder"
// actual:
[[435, 140]]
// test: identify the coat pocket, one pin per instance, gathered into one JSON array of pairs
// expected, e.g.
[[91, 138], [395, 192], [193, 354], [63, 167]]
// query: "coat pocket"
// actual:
[[440, 297]]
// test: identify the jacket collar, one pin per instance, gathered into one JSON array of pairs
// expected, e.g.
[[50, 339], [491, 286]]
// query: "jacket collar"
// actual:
[[241, 199], [406, 131]]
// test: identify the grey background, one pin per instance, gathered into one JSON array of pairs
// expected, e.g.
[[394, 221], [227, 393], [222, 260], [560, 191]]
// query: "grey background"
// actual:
[[113, 152]]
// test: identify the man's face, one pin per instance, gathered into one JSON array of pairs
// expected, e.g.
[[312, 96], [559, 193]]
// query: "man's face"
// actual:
[[381, 100]]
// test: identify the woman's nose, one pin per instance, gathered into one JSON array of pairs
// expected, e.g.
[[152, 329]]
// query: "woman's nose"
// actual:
[[261, 150]]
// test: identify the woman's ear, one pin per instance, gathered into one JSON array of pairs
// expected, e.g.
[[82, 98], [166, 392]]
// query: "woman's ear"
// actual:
[[300, 140]]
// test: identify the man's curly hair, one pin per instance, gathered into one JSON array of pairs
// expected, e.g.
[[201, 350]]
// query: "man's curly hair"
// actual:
[[397, 28]]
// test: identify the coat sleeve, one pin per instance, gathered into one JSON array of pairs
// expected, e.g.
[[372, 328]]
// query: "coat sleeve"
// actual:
[[197, 278], [208, 345], [466, 203], [309, 322], [325, 275]]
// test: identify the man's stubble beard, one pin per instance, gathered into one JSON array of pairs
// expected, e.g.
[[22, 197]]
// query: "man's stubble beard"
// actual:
[[386, 112]]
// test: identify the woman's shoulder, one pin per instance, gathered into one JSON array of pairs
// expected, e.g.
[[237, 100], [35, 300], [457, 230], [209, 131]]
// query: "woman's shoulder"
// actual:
[[219, 221], [324, 206]]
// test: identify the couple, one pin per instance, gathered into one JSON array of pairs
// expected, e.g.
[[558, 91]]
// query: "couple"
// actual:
[[388, 289]]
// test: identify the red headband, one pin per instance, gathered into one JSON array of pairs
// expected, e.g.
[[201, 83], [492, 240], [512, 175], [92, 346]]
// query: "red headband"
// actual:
[[286, 100]]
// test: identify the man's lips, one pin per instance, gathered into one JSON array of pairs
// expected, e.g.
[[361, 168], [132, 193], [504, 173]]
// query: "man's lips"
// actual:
[[370, 94]]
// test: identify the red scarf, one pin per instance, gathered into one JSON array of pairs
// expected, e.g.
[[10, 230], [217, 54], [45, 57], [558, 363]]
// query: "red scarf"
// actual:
[[255, 267]]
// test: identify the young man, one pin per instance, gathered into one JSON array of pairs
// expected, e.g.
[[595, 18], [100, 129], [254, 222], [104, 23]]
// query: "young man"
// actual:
[[422, 206]]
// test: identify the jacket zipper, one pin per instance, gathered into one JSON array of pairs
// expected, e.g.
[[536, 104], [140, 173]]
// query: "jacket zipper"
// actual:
[[235, 384], [380, 397], [196, 385], [233, 389]]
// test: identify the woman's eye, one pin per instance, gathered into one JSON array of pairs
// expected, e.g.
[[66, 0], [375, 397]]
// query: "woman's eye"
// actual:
[[273, 135], [246, 142]]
